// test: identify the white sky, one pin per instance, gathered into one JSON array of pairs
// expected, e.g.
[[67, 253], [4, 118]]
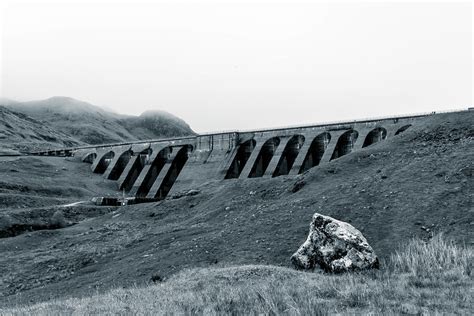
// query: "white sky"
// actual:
[[241, 65]]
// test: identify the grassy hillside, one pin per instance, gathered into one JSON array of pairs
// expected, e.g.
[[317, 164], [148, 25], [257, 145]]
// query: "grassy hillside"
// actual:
[[19, 132], [424, 278], [416, 184], [90, 124], [28, 182]]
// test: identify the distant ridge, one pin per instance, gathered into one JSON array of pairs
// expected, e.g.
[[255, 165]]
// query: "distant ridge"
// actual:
[[86, 123]]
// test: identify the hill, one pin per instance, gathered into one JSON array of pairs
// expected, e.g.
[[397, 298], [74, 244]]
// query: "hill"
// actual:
[[415, 184], [91, 124], [151, 124], [20, 132]]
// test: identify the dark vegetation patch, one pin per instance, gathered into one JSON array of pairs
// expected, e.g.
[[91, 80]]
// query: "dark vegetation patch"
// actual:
[[17, 222], [298, 185]]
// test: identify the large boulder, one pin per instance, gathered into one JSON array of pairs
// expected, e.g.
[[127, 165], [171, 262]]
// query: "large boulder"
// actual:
[[334, 246]]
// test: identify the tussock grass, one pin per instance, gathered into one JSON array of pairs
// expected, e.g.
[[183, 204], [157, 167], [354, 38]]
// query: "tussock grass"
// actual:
[[436, 256], [424, 278]]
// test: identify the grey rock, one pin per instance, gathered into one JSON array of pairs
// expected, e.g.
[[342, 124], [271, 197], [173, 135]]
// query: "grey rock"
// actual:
[[334, 246]]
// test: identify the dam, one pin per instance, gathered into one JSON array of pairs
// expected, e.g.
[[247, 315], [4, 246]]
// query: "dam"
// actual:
[[155, 169]]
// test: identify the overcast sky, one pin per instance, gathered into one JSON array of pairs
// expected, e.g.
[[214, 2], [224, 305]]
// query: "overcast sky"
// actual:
[[245, 65]]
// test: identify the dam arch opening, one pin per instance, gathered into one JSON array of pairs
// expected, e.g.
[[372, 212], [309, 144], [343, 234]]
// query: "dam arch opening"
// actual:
[[176, 166], [345, 144], [120, 165], [374, 136], [89, 158], [288, 156], [104, 162], [316, 151], [155, 169], [240, 160], [264, 157], [137, 167]]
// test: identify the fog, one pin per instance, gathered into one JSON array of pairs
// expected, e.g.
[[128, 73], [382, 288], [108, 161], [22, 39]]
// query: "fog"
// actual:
[[241, 65]]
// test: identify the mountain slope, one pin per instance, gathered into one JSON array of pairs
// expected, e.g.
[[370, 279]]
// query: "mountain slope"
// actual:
[[412, 185], [92, 125], [20, 132]]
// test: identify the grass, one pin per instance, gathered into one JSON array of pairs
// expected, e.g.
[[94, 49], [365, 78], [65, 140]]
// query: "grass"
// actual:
[[424, 278]]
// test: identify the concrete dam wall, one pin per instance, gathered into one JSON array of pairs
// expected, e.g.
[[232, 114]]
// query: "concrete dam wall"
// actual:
[[156, 169]]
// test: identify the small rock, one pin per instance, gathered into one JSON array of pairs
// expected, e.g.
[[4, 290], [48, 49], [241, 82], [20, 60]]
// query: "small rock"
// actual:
[[156, 278], [58, 219], [187, 193], [193, 192]]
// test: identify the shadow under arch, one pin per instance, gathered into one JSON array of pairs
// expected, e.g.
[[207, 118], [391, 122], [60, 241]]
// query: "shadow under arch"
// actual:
[[137, 167], [120, 165], [264, 157], [374, 136], [104, 162], [89, 158], [345, 144], [174, 171], [155, 168], [240, 159], [316, 151], [288, 156], [402, 129]]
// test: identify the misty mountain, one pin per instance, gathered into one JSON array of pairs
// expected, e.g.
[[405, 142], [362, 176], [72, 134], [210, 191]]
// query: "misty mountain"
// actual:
[[151, 123], [5, 101], [20, 132], [87, 123]]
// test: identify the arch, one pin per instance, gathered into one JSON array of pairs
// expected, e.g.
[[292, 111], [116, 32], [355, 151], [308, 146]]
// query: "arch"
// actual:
[[264, 157], [288, 156], [240, 159], [402, 129], [89, 158], [137, 167], [120, 165], [173, 173], [374, 136], [104, 162], [316, 151], [155, 168], [345, 144]]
